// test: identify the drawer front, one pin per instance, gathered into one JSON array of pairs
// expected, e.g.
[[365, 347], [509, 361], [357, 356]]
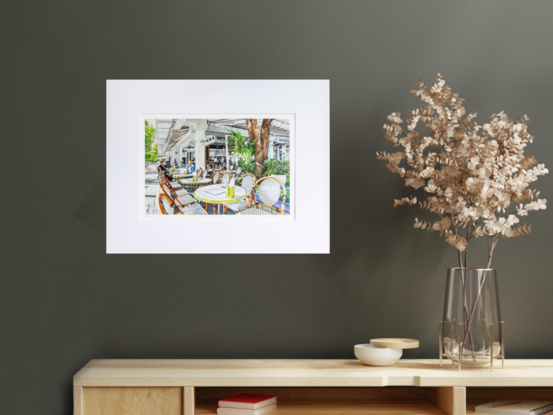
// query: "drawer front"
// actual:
[[132, 401]]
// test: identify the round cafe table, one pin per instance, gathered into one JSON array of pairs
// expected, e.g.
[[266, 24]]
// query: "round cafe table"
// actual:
[[188, 182], [182, 175], [216, 194]]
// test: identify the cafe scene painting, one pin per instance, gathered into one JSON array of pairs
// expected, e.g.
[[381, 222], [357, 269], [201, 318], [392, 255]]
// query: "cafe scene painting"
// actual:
[[218, 165]]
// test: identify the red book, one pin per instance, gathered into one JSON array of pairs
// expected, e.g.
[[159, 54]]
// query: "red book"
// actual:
[[247, 401]]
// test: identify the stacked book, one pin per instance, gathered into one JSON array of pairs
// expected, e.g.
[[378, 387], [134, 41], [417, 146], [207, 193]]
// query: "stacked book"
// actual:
[[515, 407], [247, 404]]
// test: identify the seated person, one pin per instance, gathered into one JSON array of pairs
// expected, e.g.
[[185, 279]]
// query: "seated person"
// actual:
[[182, 167], [162, 171], [190, 168]]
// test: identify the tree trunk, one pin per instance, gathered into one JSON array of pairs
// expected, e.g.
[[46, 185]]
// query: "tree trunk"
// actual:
[[262, 143], [253, 133]]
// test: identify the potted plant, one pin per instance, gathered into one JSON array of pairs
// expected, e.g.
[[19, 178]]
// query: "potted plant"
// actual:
[[476, 180]]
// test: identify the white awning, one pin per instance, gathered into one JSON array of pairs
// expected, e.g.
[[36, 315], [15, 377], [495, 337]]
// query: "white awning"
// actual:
[[175, 137]]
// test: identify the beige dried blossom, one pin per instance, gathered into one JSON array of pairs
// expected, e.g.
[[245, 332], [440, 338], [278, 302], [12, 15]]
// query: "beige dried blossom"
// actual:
[[475, 178]]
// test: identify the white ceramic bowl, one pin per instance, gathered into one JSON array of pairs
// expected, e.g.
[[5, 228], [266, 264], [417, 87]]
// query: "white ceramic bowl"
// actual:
[[377, 356]]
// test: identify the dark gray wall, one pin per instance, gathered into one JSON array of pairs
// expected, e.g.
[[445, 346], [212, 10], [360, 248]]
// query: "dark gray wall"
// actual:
[[64, 301]]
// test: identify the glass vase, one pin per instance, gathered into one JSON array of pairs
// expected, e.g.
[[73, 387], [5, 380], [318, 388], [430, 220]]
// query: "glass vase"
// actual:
[[471, 332]]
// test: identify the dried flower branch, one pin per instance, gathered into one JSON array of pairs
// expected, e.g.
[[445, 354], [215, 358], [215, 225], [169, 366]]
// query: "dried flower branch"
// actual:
[[475, 178]]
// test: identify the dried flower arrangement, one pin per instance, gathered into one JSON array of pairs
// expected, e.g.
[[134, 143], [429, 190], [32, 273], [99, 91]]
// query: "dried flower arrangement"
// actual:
[[475, 178]]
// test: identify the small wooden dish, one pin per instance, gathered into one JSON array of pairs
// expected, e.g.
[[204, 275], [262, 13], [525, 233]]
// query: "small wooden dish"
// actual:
[[395, 343]]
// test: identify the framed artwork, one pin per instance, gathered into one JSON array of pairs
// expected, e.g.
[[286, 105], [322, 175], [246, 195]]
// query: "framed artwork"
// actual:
[[217, 166], [203, 153]]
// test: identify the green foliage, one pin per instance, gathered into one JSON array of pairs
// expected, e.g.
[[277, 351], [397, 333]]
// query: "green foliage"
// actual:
[[150, 145], [240, 146], [153, 153], [276, 166], [287, 195]]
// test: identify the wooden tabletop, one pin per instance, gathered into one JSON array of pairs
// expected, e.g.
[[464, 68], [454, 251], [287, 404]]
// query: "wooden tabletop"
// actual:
[[297, 373]]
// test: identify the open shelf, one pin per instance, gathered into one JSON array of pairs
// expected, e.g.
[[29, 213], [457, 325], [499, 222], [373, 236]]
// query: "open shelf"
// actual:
[[329, 401], [370, 401], [334, 408]]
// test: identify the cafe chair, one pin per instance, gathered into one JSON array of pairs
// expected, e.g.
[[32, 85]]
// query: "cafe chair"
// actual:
[[269, 190], [247, 182], [202, 176], [181, 201], [175, 187], [216, 176], [184, 205], [166, 206], [160, 174], [238, 172], [225, 179], [193, 209]]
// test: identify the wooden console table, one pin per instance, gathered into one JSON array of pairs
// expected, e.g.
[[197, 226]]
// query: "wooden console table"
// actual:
[[303, 387]]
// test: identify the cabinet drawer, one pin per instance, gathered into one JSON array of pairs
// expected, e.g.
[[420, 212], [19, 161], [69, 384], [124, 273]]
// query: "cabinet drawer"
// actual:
[[132, 401]]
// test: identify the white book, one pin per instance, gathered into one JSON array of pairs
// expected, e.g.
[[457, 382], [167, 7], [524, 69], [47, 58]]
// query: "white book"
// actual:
[[241, 411], [515, 407]]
